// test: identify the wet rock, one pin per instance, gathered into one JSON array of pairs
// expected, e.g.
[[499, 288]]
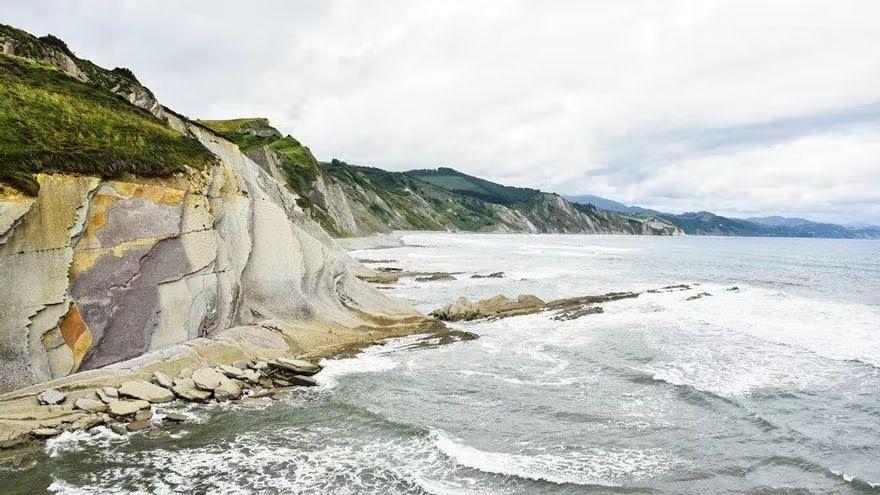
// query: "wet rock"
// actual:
[[207, 379], [436, 277], [45, 432], [669, 288], [297, 366], [162, 380], [51, 397], [230, 371], [733, 289], [146, 391], [266, 383], [138, 425], [242, 365], [117, 428], [228, 390], [575, 313], [122, 408], [491, 275], [280, 382], [252, 376], [262, 393], [143, 415], [89, 422], [698, 296], [175, 417], [185, 388], [498, 306], [91, 405], [303, 381]]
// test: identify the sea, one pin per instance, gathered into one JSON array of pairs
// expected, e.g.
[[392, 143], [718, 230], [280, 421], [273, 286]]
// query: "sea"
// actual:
[[768, 383]]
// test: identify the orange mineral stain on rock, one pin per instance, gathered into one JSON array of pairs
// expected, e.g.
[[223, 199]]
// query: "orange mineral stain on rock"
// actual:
[[76, 333]]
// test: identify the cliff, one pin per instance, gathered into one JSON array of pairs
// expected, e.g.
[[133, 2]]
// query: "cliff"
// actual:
[[126, 229]]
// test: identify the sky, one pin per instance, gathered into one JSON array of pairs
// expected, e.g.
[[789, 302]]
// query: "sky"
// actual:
[[737, 107]]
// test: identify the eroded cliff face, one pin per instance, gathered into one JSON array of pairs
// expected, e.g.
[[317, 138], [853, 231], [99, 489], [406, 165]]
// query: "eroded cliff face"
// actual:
[[99, 271]]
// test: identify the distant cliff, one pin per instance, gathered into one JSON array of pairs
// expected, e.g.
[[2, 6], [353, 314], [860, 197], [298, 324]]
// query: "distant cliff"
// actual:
[[351, 200]]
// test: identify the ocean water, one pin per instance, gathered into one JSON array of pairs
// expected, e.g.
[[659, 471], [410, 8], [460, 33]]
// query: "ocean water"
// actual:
[[770, 389]]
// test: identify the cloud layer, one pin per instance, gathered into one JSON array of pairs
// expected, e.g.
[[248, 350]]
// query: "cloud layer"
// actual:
[[742, 108]]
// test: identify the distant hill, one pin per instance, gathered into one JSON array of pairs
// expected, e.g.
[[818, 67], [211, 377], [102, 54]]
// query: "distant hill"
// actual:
[[706, 223]]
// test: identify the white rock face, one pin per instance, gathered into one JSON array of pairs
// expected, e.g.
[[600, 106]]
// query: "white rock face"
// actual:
[[98, 271]]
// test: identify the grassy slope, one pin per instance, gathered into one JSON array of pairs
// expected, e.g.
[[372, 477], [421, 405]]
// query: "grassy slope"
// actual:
[[468, 185], [50, 122]]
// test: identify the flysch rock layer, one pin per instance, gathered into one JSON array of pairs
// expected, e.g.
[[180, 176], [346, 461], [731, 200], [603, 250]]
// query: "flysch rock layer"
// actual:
[[97, 272]]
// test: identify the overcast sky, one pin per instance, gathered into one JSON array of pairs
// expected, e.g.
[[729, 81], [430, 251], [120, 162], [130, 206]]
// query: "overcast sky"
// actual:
[[742, 108]]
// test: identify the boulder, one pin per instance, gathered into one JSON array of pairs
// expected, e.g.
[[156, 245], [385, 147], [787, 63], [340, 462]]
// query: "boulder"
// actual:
[[146, 391], [143, 415], [242, 365], [162, 380], [117, 428], [303, 381], [122, 408], [107, 394], [207, 378], [297, 366], [260, 365], [51, 397], [227, 390], [45, 432], [252, 376], [185, 388], [175, 417], [138, 425], [185, 373], [230, 371], [91, 405], [89, 422]]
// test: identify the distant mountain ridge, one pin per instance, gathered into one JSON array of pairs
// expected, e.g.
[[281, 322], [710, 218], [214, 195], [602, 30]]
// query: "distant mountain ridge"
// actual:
[[707, 223], [352, 200]]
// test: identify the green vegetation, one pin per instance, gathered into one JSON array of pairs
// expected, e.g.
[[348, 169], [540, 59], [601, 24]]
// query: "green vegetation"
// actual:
[[453, 180], [50, 122], [248, 133]]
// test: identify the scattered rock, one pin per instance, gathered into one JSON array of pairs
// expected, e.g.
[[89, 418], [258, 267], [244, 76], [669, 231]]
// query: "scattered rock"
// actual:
[[669, 288], [260, 365], [303, 381], [122, 408], [498, 306], [261, 394], [107, 394], [51, 397], [91, 405], [143, 415], [266, 383], [436, 277], [227, 390], [45, 432], [175, 417], [117, 428], [185, 373], [733, 289], [146, 391], [89, 422], [491, 275], [242, 365], [698, 296], [185, 388], [207, 378], [297, 366], [252, 376], [280, 382], [575, 313], [162, 380], [230, 371], [138, 425]]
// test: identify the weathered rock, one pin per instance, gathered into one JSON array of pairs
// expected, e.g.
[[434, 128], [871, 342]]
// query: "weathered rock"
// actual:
[[175, 417], [122, 408], [91, 405], [185, 373], [45, 432], [117, 428], [242, 365], [143, 415], [281, 382], [733, 289], [267, 383], [138, 425], [297, 366], [89, 422], [146, 391], [491, 275], [303, 381], [107, 394], [261, 393], [227, 390], [252, 376], [498, 306], [51, 397], [436, 277], [230, 371], [698, 296], [185, 388], [207, 378], [260, 365], [162, 379]]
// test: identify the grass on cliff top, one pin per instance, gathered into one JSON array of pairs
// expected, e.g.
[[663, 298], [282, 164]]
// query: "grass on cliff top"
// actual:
[[50, 122], [241, 131]]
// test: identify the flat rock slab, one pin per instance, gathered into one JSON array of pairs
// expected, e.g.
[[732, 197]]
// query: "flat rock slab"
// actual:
[[227, 390], [127, 407], [175, 417], [91, 405], [51, 397], [207, 379], [138, 425], [185, 388], [230, 371], [162, 379], [146, 391], [302, 381], [45, 432], [298, 366]]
